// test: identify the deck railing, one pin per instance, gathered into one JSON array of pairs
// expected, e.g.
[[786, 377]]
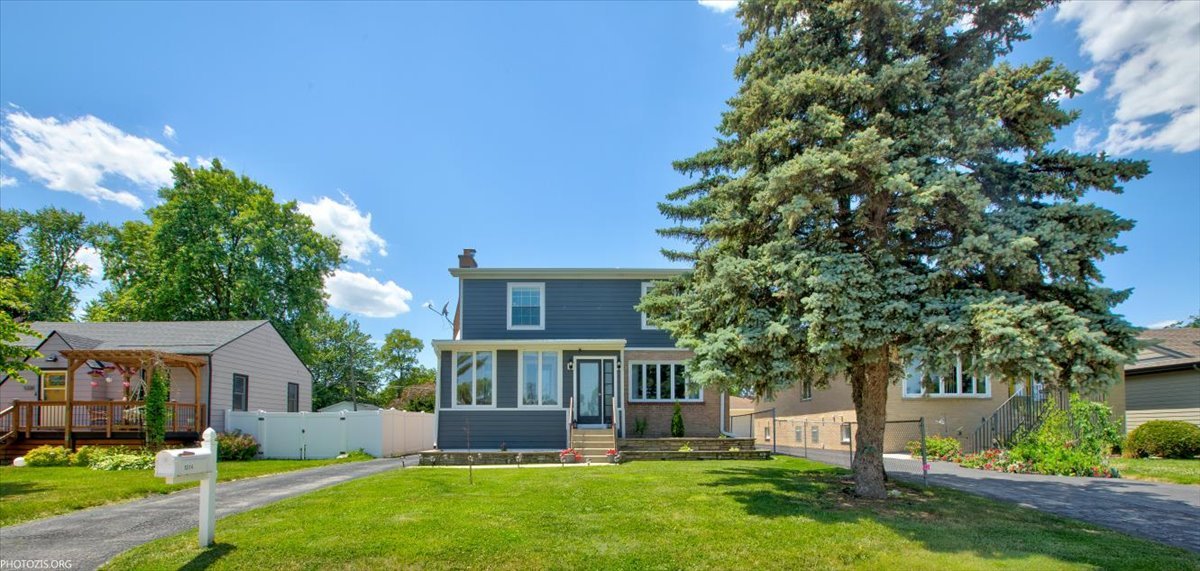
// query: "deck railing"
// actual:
[[7, 431], [98, 416]]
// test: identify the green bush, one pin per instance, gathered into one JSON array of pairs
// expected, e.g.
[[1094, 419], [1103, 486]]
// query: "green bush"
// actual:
[[936, 448], [86, 455], [156, 408], [1068, 443], [44, 456], [1165, 439], [677, 422], [113, 461], [236, 445]]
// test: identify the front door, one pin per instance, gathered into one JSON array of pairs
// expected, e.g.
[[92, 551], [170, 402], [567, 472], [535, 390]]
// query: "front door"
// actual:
[[594, 385], [54, 388]]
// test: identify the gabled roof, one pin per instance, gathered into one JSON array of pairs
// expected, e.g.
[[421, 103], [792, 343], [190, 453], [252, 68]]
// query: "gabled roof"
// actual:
[[184, 337], [1170, 349]]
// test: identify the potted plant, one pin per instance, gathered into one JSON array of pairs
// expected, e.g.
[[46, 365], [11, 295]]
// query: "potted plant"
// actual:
[[569, 456], [613, 456]]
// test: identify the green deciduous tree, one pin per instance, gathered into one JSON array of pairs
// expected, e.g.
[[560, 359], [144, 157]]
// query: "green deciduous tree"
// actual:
[[885, 191], [398, 363], [218, 247], [12, 355], [338, 344], [41, 251]]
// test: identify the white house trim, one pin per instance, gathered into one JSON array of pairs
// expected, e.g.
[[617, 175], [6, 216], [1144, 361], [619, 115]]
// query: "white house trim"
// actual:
[[508, 304], [521, 380]]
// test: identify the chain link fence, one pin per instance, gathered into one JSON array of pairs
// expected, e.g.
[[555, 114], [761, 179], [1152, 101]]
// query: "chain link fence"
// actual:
[[833, 439]]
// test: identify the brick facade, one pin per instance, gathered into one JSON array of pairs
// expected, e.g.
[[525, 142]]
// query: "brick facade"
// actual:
[[699, 418]]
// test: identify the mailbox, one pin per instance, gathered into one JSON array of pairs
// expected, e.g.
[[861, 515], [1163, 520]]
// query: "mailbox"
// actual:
[[184, 465]]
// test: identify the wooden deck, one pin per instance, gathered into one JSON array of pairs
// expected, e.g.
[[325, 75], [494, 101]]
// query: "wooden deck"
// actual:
[[28, 424]]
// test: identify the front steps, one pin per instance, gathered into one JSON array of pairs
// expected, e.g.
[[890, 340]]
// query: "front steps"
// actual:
[[593, 443]]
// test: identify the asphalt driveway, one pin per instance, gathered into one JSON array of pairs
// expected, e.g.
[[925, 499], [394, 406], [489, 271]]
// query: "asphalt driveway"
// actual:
[[90, 537], [1168, 513]]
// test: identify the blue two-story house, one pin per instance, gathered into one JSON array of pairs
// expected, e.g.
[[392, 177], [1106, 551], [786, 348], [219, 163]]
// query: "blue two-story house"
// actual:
[[536, 351]]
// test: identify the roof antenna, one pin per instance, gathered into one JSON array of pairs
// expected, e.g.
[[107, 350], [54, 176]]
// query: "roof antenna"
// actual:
[[444, 313]]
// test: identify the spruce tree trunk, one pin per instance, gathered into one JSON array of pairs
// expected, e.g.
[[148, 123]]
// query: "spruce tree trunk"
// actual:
[[869, 383]]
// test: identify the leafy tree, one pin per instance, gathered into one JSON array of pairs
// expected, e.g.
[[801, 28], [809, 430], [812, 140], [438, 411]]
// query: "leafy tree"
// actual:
[[156, 407], [41, 250], [417, 398], [398, 362], [336, 344], [13, 356], [885, 192], [218, 247], [398, 387]]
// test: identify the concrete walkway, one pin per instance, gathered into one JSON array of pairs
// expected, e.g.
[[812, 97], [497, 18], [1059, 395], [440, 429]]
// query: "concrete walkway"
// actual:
[[1168, 513], [90, 537]]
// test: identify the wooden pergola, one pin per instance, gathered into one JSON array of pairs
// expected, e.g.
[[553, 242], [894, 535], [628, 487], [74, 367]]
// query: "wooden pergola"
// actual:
[[131, 360]]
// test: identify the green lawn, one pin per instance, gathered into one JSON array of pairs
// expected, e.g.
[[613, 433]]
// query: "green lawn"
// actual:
[[784, 513], [32, 493], [1159, 470]]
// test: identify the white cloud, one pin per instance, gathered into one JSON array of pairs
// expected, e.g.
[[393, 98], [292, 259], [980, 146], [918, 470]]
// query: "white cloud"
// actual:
[[91, 257], [1162, 324], [342, 220], [1150, 53], [1088, 81], [169, 132], [204, 162], [719, 5], [82, 155], [365, 295], [1085, 137], [6, 180]]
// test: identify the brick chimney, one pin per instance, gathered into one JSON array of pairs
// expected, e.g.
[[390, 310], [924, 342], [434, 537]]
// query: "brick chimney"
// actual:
[[467, 258]]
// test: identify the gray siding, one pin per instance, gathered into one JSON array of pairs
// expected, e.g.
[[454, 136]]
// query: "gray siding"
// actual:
[[526, 429], [446, 398], [575, 309], [264, 357], [1162, 396]]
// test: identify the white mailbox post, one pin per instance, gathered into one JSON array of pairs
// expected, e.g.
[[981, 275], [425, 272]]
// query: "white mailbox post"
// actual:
[[190, 465]]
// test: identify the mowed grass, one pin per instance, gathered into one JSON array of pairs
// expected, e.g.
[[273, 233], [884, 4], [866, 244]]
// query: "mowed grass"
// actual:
[[786, 513], [33, 493], [1159, 470]]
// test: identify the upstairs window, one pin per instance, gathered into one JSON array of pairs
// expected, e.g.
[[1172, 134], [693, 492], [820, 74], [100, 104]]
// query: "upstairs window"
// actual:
[[526, 306], [645, 290], [474, 383], [957, 382], [806, 391]]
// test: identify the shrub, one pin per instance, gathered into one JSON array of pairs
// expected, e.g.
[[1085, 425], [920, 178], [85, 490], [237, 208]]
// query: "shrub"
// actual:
[[687, 447], [236, 445], [1165, 439], [43, 456], [639, 426], [123, 460], [86, 455], [1069, 443], [677, 422], [945, 448]]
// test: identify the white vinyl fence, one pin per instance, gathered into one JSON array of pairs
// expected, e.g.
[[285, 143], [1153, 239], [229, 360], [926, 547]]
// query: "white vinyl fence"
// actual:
[[304, 435]]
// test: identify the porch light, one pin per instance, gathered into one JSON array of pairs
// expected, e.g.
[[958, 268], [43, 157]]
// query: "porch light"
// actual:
[[570, 365], [108, 379]]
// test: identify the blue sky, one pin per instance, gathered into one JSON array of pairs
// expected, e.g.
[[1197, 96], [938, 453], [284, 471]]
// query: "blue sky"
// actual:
[[541, 134]]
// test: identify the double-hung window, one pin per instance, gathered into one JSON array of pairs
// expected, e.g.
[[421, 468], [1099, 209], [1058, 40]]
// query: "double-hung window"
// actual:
[[645, 290], [241, 392], [959, 382], [526, 306], [474, 381], [666, 382], [539, 378], [806, 391], [293, 397]]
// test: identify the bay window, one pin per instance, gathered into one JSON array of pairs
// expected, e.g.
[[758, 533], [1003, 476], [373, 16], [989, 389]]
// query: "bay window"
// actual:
[[474, 382], [540, 384]]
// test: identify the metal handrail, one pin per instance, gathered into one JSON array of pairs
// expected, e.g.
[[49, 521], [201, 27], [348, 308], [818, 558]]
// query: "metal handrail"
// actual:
[[614, 421], [1019, 412], [571, 424]]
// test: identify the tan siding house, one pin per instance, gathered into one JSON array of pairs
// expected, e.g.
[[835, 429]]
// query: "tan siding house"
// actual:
[[1164, 383]]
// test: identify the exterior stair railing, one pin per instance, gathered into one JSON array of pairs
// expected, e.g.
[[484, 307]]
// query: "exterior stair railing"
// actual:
[[1021, 412]]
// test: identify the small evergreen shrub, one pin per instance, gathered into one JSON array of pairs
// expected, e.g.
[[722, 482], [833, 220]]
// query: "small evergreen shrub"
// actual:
[[1165, 439], [156, 408], [236, 445], [677, 422], [47, 456], [945, 448], [639, 426]]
